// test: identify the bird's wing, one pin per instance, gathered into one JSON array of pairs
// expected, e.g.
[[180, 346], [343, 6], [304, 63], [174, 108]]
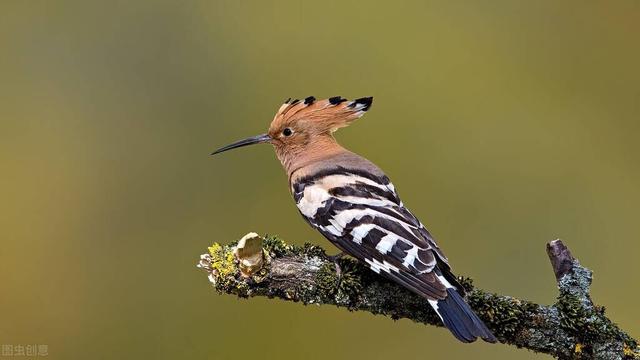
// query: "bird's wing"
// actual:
[[362, 214]]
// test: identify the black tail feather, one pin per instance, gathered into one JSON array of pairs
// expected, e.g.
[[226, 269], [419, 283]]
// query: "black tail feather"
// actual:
[[463, 323]]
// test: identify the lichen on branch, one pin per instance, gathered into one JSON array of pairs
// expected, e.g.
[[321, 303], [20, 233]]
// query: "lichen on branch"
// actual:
[[572, 328]]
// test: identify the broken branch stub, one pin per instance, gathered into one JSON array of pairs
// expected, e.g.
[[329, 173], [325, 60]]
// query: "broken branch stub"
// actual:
[[249, 254]]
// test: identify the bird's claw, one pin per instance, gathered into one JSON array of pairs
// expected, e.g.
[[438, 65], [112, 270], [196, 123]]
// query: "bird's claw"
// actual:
[[335, 259]]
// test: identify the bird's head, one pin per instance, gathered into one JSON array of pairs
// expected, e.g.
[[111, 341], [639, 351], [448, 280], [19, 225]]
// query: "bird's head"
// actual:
[[306, 126]]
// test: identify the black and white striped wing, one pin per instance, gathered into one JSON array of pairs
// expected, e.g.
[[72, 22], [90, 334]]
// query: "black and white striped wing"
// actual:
[[363, 216]]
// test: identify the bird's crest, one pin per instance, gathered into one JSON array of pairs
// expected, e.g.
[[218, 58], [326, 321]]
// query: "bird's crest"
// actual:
[[325, 115]]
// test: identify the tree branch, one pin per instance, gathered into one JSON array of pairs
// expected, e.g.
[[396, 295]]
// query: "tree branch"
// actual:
[[572, 328]]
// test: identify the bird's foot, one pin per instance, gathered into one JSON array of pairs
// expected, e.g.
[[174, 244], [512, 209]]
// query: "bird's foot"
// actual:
[[335, 259]]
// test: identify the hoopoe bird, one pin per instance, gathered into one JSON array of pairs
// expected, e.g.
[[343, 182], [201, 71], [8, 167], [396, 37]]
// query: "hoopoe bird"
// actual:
[[353, 204]]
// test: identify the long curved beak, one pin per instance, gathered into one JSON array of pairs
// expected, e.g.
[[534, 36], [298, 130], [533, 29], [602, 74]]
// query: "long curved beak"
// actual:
[[248, 141]]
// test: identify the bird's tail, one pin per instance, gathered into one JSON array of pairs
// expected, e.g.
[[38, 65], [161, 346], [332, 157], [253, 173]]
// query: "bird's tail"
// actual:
[[458, 317]]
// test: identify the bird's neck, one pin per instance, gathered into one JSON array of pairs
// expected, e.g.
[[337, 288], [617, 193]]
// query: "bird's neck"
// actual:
[[296, 160]]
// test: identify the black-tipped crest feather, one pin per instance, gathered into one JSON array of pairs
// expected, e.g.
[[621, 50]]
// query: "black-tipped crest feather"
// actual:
[[366, 101], [336, 100]]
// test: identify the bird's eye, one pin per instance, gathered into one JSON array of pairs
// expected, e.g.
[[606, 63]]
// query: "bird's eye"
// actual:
[[287, 132]]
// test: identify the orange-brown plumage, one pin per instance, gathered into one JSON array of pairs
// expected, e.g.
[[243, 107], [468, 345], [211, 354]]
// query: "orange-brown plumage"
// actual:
[[312, 123]]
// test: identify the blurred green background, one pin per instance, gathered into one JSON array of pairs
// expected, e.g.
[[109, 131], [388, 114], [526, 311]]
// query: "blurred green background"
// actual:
[[515, 122]]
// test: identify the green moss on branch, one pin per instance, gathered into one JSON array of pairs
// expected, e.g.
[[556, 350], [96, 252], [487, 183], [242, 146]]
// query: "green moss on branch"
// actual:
[[572, 328]]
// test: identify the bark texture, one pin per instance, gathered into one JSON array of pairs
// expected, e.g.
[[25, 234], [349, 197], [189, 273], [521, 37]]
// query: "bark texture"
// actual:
[[572, 328]]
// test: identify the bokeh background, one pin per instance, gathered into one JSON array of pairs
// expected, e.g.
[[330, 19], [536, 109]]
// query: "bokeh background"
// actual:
[[503, 124]]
